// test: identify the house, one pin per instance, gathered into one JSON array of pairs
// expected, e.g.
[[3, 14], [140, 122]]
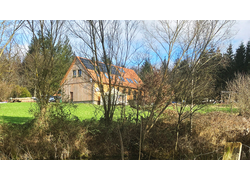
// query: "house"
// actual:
[[80, 83]]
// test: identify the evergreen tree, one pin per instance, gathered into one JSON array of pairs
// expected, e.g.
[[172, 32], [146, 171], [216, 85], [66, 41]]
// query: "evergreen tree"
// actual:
[[228, 68], [145, 69], [239, 59], [248, 57], [230, 54], [164, 65], [63, 57], [220, 73]]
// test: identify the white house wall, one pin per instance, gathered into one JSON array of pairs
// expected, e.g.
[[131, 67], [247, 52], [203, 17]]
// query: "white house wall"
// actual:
[[80, 86]]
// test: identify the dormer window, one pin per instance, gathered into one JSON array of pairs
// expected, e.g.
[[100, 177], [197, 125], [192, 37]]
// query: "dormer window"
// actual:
[[74, 73], [79, 73]]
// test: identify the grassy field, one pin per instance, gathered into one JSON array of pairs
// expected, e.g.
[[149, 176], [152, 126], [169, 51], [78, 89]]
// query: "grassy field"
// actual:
[[214, 107], [19, 112], [15, 112]]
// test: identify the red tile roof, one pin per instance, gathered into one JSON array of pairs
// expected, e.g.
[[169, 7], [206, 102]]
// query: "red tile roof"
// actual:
[[128, 73]]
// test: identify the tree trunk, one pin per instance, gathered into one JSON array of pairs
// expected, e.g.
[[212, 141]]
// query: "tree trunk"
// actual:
[[121, 142], [177, 134], [35, 91], [192, 105], [43, 112], [140, 145]]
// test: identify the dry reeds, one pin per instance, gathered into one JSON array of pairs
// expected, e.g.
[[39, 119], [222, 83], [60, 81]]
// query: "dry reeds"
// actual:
[[68, 138]]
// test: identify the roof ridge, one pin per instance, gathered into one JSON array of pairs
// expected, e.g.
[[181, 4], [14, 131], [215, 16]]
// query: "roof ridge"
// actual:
[[102, 62]]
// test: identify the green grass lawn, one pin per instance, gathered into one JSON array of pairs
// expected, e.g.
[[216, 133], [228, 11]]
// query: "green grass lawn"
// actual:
[[213, 108], [19, 112], [219, 107], [15, 112], [89, 111]]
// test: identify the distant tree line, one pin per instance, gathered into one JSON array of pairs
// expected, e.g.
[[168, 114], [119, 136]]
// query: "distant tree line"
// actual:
[[215, 67]]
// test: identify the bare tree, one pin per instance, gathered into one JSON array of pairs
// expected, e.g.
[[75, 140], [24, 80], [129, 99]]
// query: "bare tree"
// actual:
[[7, 32], [10, 63], [179, 40], [8, 67], [107, 43], [239, 93]]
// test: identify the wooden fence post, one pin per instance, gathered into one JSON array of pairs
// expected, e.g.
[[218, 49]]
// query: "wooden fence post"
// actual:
[[232, 151]]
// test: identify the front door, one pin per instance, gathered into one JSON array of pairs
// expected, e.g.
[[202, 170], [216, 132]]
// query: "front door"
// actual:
[[71, 96], [99, 100]]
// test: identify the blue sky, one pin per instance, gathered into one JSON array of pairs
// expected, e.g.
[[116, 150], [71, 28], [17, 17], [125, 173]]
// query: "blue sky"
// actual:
[[241, 28], [243, 33]]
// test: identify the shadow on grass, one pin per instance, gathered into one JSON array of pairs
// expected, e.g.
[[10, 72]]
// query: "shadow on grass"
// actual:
[[16, 120]]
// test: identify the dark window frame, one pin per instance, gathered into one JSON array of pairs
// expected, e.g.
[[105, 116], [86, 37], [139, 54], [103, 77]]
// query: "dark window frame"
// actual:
[[79, 73], [134, 95], [124, 90], [74, 73]]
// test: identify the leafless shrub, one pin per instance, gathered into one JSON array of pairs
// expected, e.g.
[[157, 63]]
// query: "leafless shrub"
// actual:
[[5, 90], [239, 93]]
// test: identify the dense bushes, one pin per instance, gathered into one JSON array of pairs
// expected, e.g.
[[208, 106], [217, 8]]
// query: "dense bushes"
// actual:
[[65, 137], [19, 91]]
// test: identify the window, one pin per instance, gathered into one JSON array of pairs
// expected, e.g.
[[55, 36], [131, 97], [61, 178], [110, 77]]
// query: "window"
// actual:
[[135, 81], [121, 78], [118, 88], [129, 91], [134, 95], [106, 75], [129, 80], [121, 70], [79, 73], [74, 73], [124, 91]]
